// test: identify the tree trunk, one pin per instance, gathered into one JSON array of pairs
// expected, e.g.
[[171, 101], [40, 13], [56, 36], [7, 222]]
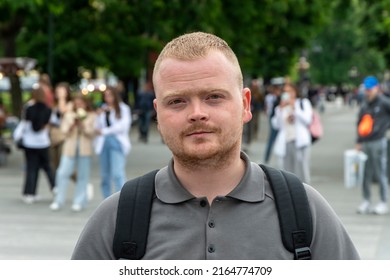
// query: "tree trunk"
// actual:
[[9, 33], [16, 94]]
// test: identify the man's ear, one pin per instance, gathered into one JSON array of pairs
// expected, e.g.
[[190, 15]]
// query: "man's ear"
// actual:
[[155, 108], [246, 100], [155, 104]]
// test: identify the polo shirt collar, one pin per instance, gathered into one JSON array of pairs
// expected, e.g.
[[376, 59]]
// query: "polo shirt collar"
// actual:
[[250, 189]]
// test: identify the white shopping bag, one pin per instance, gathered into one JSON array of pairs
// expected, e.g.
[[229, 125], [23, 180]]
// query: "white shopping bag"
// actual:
[[354, 162]]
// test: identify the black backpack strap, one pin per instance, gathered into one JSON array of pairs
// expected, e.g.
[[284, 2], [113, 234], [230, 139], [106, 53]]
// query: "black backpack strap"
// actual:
[[293, 211], [132, 223]]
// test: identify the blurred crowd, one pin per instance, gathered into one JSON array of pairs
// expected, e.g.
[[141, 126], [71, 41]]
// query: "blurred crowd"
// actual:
[[59, 130]]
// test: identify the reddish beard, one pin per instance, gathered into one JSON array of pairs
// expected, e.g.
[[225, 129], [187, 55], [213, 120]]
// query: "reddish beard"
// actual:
[[199, 127], [215, 155]]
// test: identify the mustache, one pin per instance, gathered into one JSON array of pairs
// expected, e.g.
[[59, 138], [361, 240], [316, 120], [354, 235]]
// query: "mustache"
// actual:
[[199, 127]]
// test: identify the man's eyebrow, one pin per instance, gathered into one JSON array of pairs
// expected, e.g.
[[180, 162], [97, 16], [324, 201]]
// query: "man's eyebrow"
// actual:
[[194, 92]]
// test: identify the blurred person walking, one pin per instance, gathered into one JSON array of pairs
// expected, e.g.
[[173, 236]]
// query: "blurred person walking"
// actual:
[[257, 106], [78, 125], [373, 122], [36, 143], [112, 143], [292, 145], [46, 85], [146, 108], [62, 103], [272, 99]]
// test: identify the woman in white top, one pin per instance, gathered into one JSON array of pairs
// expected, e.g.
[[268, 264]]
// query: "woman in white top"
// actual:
[[292, 118], [113, 142]]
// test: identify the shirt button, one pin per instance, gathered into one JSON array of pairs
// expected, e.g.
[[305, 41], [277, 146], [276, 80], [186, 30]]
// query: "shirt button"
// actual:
[[203, 203], [211, 249], [211, 224]]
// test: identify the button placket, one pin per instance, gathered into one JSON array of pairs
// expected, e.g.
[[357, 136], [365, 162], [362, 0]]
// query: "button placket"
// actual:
[[211, 248], [212, 238], [203, 203], [211, 224]]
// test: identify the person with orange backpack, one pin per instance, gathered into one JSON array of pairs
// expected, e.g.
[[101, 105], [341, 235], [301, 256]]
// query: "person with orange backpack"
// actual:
[[373, 122]]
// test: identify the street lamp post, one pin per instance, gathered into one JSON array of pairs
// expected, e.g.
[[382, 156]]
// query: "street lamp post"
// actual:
[[303, 67]]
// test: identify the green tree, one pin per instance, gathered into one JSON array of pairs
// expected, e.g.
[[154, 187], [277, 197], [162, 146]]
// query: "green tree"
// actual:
[[342, 46], [64, 37], [13, 16], [376, 22], [124, 36]]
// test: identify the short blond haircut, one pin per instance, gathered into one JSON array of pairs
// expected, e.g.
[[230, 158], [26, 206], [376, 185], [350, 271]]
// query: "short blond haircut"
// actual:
[[196, 45]]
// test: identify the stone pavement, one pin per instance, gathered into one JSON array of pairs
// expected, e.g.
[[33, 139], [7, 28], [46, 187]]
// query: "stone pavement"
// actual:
[[33, 232]]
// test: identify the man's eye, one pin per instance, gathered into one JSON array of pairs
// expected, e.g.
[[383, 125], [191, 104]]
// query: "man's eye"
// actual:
[[214, 97], [175, 102]]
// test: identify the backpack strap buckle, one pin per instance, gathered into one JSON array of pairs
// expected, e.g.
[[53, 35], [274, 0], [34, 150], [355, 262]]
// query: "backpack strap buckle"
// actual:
[[303, 253], [301, 248]]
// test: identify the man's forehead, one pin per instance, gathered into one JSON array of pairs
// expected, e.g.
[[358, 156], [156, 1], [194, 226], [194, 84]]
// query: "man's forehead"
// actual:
[[215, 57]]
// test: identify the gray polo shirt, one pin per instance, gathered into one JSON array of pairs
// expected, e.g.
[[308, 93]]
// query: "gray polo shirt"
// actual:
[[241, 225]]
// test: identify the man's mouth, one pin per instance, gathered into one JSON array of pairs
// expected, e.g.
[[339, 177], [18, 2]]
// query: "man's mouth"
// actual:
[[199, 132]]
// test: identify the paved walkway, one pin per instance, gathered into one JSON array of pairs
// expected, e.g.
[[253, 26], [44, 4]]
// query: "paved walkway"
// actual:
[[34, 232]]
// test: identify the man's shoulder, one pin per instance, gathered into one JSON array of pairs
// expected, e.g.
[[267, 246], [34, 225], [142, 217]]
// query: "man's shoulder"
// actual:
[[108, 207]]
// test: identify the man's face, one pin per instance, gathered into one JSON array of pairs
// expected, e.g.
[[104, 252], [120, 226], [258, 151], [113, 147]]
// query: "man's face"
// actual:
[[371, 93], [200, 107]]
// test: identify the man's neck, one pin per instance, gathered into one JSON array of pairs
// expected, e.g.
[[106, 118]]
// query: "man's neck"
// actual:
[[208, 181]]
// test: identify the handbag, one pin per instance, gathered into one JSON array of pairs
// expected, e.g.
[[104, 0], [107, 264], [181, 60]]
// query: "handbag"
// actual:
[[56, 136], [315, 128], [354, 164]]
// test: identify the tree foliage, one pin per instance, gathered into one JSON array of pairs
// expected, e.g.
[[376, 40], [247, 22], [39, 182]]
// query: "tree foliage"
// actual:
[[119, 34], [268, 36], [343, 46]]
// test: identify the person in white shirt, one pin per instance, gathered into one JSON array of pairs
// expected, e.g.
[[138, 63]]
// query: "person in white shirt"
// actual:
[[112, 143], [292, 118]]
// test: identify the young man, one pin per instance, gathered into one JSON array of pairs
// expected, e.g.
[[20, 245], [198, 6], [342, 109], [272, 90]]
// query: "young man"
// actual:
[[373, 122], [211, 201]]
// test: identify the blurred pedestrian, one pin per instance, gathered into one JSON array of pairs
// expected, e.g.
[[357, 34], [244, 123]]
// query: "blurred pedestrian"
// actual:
[[257, 106], [7, 120], [112, 143], [146, 109], [292, 118], [121, 89], [62, 103], [78, 124], [272, 100], [36, 143], [5, 149], [3, 116], [373, 122], [46, 85]]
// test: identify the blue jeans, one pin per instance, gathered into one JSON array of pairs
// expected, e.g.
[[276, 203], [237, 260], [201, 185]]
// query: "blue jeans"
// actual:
[[144, 123], [376, 166], [270, 143], [65, 171], [112, 165]]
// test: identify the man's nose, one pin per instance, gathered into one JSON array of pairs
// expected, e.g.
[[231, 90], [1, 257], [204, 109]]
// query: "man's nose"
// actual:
[[198, 112]]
